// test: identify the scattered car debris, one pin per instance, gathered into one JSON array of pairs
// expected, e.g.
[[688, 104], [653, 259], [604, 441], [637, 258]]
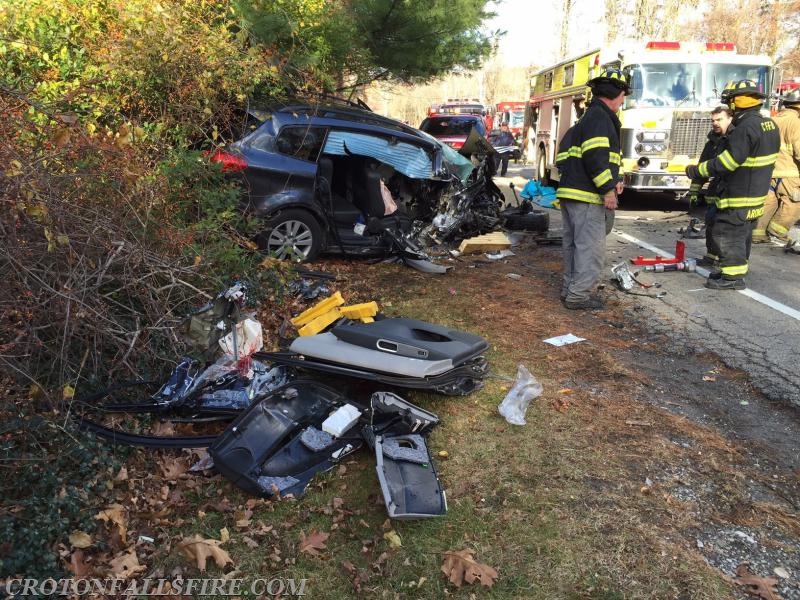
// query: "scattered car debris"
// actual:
[[563, 340], [496, 240], [499, 255], [525, 388], [287, 428]]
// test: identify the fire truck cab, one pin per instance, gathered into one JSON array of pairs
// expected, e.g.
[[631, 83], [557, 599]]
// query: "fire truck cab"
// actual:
[[665, 119]]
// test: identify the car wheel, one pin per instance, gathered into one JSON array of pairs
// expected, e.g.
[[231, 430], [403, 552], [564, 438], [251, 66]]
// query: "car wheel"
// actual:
[[536, 220], [292, 234]]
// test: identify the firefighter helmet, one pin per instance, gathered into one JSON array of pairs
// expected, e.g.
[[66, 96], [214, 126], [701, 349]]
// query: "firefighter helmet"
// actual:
[[745, 87], [791, 97], [613, 76], [725, 96]]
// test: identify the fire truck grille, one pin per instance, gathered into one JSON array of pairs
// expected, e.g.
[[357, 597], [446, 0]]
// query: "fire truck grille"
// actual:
[[689, 134]]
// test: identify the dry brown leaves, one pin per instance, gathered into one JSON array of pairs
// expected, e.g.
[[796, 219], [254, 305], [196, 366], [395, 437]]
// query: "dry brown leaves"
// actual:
[[460, 566], [313, 544], [201, 549], [763, 587]]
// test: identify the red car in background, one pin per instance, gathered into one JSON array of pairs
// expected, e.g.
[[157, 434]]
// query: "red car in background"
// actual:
[[453, 130]]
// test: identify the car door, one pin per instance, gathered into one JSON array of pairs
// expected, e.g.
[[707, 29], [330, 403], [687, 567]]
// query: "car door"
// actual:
[[282, 166]]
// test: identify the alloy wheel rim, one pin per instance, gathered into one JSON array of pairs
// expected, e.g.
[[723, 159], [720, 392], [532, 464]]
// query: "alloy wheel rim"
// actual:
[[290, 239]]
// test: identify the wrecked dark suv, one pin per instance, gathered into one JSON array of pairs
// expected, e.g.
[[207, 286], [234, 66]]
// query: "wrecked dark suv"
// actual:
[[339, 178]]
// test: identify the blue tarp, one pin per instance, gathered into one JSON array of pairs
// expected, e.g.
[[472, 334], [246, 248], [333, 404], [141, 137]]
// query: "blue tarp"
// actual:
[[539, 194], [411, 161]]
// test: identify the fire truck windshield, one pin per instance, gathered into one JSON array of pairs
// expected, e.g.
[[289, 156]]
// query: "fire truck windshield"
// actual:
[[686, 84]]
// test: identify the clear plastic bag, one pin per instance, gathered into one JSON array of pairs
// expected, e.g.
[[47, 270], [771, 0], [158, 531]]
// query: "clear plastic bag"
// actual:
[[525, 389]]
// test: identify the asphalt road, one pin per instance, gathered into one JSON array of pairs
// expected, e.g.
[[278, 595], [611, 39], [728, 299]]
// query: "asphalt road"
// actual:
[[756, 330]]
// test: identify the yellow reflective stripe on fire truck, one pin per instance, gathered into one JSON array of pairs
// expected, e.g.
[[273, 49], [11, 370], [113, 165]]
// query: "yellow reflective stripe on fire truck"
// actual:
[[563, 193], [723, 203], [760, 161], [602, 178], [595, 142], [614, 158], [735, 270]]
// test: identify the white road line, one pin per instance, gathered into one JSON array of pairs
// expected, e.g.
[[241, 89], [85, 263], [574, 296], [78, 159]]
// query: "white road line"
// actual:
[[765, 300]]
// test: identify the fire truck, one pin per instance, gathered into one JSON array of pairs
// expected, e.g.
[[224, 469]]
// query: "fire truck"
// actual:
[[458, 106], [513, 114], [666, 117]]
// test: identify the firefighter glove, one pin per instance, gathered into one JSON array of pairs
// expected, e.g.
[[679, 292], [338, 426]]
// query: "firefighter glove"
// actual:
[[692, 172], [693, 199]]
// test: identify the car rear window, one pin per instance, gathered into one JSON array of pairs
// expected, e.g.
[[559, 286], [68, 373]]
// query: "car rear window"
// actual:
[[302, 142], [441, 126]]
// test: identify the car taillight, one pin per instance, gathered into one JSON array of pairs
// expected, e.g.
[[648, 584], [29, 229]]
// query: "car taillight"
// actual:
[[230, 162], [455, 145]]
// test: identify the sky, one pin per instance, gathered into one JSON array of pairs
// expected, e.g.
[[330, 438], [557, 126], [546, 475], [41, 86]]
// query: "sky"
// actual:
[[534, 29]]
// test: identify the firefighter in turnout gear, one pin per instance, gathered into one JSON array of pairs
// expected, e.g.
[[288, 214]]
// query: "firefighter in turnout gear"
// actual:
[[782, 208], [589, 164], [717, 142], [744, 170]]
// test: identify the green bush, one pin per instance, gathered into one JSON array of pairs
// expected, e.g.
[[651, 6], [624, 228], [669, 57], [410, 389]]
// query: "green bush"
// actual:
[[54, 483]]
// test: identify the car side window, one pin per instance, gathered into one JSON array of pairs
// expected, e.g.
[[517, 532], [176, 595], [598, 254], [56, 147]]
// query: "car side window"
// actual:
[[301, 142]]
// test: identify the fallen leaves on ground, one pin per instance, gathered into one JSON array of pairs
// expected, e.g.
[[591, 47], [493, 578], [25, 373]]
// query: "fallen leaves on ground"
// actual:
[[460, 566], [763, 587], [78, 565], [116, 514], [80, 539], [393, 538], [201, 549], [126, 564], [314, 542]]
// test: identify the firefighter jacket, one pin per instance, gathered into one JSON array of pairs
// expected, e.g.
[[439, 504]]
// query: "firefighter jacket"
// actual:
[[589, 156], [716, 144], [788, 163], [744, 168]]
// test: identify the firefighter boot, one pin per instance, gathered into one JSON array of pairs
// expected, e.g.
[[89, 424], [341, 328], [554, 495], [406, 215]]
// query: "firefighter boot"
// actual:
[[725, 284]]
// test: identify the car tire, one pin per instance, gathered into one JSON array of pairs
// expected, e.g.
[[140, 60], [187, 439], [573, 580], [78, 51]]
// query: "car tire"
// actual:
[[541, 170], [536, 220], [292, 234]]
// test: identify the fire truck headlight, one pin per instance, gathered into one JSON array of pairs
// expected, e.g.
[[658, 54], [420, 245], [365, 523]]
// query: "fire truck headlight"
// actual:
[[652, 136], [650, 148]]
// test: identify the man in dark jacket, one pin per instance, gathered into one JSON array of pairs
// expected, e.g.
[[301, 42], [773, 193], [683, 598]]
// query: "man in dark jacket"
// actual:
[[721, 118], [744, 170], [589, 164], [504, 143]]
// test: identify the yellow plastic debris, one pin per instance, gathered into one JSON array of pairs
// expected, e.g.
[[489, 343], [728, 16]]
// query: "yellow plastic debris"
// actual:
[[320, 308], [321, 322], [360, 311], [488, 242]]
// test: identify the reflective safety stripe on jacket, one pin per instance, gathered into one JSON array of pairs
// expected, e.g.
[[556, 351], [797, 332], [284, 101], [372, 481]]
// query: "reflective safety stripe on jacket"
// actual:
[[745, 166], [589, 156]]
